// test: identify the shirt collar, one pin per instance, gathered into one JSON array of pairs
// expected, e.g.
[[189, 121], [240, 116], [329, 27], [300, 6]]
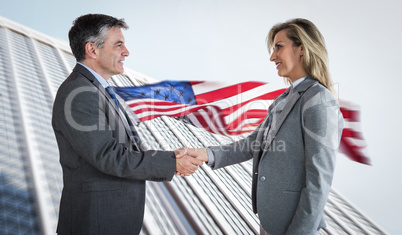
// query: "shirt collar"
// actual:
[[297, 82], [98, 77]]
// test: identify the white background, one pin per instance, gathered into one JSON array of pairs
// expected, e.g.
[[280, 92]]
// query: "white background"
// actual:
[[224, 40]]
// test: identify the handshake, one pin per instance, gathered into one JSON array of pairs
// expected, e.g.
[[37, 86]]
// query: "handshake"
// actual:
[[188, 160]]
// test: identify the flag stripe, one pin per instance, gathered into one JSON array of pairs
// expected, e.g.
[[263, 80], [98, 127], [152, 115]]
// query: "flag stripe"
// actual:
[[353, 152], [248, 117], [352, 133], [352, 141], [350, 115], [204, 96]]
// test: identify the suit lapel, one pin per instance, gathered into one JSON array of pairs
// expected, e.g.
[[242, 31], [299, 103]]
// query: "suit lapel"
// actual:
[[127, 126], [131, 130], [275, 126], [261, 128], [264, 124], [259, 140], [125, 107], [294, 97]]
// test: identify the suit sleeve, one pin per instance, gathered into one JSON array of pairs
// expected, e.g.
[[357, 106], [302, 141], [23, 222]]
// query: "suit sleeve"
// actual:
[[86, 128], [236, 152], [322, 125]]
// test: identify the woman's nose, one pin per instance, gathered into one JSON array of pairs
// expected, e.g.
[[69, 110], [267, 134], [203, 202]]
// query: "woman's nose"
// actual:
[[273, 56]]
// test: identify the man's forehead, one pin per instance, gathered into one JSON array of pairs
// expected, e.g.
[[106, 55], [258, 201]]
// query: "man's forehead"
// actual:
[[115, 35]]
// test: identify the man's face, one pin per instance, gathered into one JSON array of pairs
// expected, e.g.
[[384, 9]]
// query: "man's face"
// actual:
[[110, 57]]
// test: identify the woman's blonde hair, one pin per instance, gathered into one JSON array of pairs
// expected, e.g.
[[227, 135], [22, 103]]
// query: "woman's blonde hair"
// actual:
[[315, 59]]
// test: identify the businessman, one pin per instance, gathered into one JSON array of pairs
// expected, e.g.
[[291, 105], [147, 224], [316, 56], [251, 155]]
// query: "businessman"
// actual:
[[104, 167]]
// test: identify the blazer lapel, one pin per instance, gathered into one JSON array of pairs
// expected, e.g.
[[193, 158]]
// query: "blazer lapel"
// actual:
[[133, 132], [125, 107], [127, 125], [275, 126], [261, 129], [294, 97], [259, 141], [264, 124]]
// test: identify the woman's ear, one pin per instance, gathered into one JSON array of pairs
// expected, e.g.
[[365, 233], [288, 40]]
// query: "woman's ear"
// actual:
[[301, 50]]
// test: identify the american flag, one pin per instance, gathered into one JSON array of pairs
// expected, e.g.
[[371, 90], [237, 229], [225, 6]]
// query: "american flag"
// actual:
[[220, 108], [353, 144], [223, 108]]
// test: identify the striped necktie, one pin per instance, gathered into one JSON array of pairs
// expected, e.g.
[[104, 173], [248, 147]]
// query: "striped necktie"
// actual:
[[110, 91], [135, 138]]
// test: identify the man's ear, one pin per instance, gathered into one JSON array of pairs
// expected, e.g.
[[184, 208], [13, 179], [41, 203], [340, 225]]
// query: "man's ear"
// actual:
[[90, 50]]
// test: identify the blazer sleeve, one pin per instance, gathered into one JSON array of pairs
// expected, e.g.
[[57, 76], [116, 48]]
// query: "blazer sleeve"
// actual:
[[236, 152], [322, 125], [85, 127]]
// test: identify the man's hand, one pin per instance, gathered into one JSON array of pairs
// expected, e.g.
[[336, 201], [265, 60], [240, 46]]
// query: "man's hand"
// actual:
[[185, 164], [200, 153], [188, 160]]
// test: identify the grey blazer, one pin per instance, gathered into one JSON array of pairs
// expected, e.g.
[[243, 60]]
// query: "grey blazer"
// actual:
[[293, 169], [104, 171]]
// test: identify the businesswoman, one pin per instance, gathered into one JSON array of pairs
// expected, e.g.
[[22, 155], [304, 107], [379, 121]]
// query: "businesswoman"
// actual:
[[292, 177]]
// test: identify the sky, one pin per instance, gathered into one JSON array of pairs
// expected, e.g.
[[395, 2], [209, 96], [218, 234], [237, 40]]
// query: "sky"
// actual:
[[224, 40]]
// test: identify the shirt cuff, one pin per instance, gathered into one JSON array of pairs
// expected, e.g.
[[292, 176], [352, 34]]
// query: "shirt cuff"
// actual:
[[211, 157]]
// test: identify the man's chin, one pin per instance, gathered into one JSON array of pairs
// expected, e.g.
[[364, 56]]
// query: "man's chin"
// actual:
[[121, 70]]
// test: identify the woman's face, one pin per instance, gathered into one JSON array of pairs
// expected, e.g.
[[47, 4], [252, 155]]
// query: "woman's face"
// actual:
[[287, 57]]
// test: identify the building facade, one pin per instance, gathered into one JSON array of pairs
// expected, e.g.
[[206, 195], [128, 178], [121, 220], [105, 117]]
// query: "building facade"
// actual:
[[32, 67]]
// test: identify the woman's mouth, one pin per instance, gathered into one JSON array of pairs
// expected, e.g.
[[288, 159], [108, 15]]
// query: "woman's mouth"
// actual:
[[277, 64]]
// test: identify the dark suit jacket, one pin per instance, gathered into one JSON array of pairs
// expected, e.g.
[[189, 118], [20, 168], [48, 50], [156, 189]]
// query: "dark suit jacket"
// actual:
[[104, 172], [292, 173]]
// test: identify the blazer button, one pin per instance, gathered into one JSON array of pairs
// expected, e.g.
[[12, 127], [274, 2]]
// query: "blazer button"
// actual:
[[262, 178]]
